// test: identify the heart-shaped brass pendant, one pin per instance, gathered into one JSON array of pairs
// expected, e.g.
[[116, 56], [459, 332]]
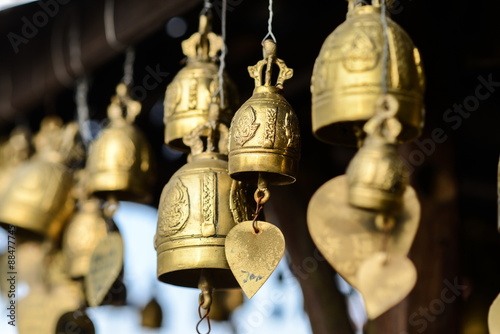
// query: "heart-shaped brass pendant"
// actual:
[[106, 264], [253, 256], [384, 280], [346, 235]]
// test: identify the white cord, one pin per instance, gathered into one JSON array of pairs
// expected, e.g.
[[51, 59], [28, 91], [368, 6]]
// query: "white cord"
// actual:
[[270, 23], [82, 110], [128, 67], [222, 58], [385, 51]]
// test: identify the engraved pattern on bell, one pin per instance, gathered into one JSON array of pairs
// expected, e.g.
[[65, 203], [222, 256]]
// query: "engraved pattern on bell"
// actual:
[[175, 211], [191, 233], [188, 96], [347, 78], [264, 134]]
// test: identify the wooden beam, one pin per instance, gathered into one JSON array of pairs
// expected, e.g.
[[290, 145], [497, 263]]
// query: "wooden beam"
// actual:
[[67, 40]]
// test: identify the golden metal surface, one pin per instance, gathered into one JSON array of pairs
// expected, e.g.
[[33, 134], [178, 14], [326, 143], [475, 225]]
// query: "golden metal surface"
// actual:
[[151, 315], [13, 152], [346, 235], [83, 232], [347, 78], [264, 135], [224, 303], [120, 161], [37, 197], [384, 280], [376, 175], [198, 207], [494, 317], [189, 95], [106, 264], [254, 256]]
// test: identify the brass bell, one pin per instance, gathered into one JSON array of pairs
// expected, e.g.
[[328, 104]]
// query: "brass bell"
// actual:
[[264, 135], [120, 162], [188, 96], [347, 77], [37, 197], [151, 315], [13, 152], [82, 234], [377, 176], [198, 207]]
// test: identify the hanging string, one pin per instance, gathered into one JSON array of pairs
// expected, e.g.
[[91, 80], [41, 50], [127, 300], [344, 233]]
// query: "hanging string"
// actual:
[[203, 317], [128, 67], [222, 65], [82, 110], [207, 7], [385, 51], [270, 23]]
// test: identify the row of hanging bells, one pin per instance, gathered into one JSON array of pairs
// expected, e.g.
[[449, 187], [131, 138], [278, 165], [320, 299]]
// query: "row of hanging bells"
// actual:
[[208, 233], [367, 91]]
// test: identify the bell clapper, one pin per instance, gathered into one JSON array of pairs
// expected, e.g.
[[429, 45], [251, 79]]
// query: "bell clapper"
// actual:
[[205, 300]]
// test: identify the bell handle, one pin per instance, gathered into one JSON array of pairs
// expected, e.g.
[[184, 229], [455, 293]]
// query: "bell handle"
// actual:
[[255, 71]]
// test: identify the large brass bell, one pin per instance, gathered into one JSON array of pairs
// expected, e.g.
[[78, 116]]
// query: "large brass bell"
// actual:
[[190, 93], [377, 176], [264, 135], [347, 78], [198, 207], [120, 160], [37, 197]]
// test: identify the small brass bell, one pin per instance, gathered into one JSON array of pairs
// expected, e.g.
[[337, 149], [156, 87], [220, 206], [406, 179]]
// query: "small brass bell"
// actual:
[[376, 175], [196, 212], [82, 234], [75, 322], [264, 134], [13, 152], [188, 96], [120, 160], [347, 77], [37, 197], [152, 315]]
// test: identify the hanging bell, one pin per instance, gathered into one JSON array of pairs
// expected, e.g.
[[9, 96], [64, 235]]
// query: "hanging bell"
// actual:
[[152, 315], [198, 207], [82, 234], [348, 77], [377, 177], [37, 197], [13, 152], [120, 160], [188, 96], [264, 135]]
